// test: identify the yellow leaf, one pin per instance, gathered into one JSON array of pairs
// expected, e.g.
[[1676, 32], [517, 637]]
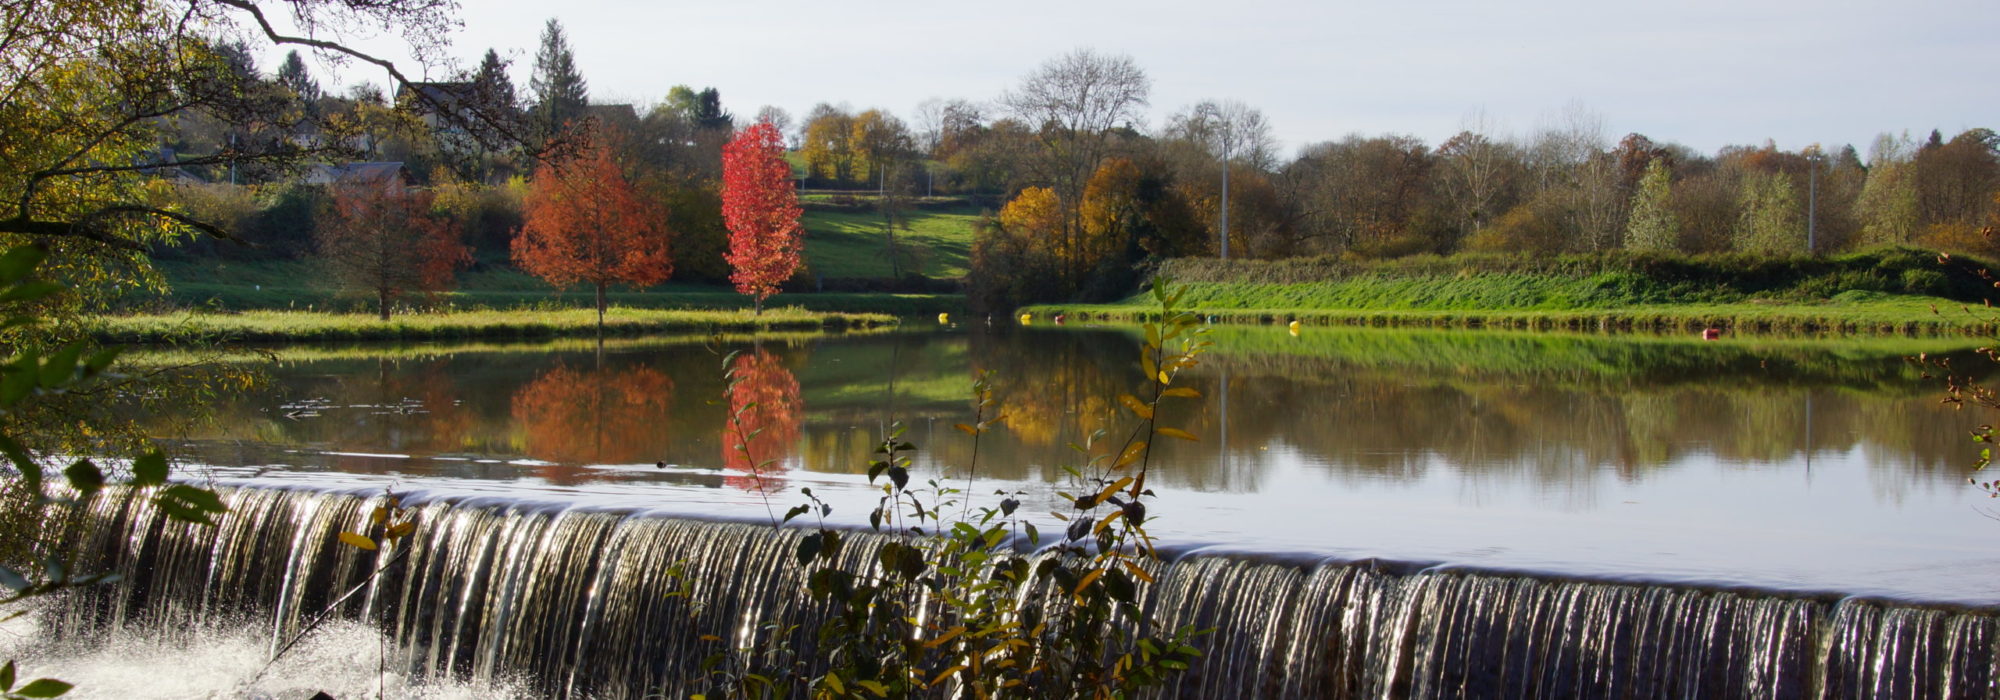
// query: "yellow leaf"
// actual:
[[1087, 579], [1164, 379], [880, 691], [357, 541], [1177, 432], [833, 684], [1146, 363], [1113, 488], [955, 631], [1106, 523], [1182, 391], [1138, 408], [1137, 571], [710, 638], [1132, 454], [947, 674], [402, 529], [381, 514], [967, 429]]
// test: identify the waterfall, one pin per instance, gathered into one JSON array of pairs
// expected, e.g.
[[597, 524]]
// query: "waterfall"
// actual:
[[615, 605]]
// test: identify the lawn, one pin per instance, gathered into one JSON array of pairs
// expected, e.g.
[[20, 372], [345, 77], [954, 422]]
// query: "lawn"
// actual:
[[937, 244]]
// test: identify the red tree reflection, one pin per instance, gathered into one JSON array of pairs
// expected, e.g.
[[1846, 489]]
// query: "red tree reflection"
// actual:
[[771, 425], [594, 416]]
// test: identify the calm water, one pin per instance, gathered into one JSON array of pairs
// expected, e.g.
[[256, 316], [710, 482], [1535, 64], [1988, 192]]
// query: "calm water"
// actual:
[[1783, 464]]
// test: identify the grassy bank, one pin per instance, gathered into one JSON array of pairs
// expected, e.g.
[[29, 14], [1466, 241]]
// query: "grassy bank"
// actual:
[[271, 326], [1855, 313], [1884, 291]]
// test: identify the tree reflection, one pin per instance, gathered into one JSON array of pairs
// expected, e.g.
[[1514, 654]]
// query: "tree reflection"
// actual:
[[764, 398], [594, 416]]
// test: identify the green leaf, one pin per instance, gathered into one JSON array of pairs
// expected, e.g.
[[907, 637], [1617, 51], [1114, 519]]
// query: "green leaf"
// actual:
[[102, 359], [7, 676], [43, 688], [84, 477], [31, 471], [29, 291], [189, 503], [60, 369], [18, 262], [20, 380], [809, 547], [796, 511], [149, 470]]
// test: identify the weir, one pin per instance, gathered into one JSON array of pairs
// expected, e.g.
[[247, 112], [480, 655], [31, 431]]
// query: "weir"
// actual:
[[587, 603]]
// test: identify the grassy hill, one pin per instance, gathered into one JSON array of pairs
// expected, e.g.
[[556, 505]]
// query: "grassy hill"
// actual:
[[847, 244]]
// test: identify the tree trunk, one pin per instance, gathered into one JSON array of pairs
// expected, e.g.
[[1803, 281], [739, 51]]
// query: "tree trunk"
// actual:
[[600, 309], [382, 303], [759, 305]]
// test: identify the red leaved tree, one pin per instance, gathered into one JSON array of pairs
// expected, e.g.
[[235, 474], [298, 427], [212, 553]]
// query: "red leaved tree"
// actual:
[[761, 210], [587, 223], [383, 238], [765, 407]]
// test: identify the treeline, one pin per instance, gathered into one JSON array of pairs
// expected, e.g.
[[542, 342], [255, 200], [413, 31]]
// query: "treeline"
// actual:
[[1083, 193]]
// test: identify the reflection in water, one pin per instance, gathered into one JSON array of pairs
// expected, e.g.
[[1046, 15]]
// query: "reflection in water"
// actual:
[[594, 416], [1560, 414], [764, 399]]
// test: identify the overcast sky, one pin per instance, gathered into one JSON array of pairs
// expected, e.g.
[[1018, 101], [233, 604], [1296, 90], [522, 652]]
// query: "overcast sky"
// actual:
[[1705, 73]]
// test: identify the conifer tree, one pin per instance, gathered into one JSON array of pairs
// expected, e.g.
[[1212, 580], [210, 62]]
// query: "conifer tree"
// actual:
[[560, 93]]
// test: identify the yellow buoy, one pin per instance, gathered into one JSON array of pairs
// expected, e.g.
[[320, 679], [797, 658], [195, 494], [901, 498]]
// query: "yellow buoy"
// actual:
[[1293, 327], [1025, 318], [944, 319]]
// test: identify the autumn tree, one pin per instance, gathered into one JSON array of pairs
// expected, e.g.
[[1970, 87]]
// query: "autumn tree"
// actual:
[[827, 143], [1769, 215], [382, 238], [586, 223], [1073, 102], [762, 212]]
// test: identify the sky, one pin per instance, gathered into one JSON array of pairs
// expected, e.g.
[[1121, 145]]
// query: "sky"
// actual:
[[1702, 73]]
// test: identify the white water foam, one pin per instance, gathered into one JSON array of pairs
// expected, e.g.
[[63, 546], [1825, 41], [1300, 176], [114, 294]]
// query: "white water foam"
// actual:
[[339, 659]]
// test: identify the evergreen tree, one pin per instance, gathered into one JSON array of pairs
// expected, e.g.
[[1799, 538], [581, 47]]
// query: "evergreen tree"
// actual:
[[708, 112], [492, 82], [1652, 226], [294, 76], [560, 94]]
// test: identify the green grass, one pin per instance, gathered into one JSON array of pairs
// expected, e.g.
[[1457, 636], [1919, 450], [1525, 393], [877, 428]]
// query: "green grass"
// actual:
[[299, 285], [319, 326], [1892, 290], [1847, 313], [852, 244]]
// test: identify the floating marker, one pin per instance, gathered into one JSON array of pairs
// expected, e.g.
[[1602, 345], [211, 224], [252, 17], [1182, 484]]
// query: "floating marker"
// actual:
[[1025, 318], [944, 319], [1293, 327]]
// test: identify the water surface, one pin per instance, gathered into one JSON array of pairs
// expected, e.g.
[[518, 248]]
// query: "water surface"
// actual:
[[1798, 465]]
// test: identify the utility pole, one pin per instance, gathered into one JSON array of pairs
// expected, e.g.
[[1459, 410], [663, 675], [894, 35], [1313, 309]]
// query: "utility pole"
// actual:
[[1225, 194]]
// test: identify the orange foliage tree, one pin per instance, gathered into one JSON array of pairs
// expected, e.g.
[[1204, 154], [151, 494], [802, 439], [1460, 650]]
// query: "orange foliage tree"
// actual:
[[383, 238], [764, 400], [761, 210], [587, 223], [595, 416]]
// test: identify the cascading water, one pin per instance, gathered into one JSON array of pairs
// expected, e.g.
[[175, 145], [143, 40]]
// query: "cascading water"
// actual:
[[604, 604]]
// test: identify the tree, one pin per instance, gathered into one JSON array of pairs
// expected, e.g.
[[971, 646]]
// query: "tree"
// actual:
[[1888, 203], [1073, 102], [381, 237], [827, 143], [762, 212], [491, 81], [586, 223], [293, 75], [1769, 218], [560, 92], [91, 87], [1651, 226]]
